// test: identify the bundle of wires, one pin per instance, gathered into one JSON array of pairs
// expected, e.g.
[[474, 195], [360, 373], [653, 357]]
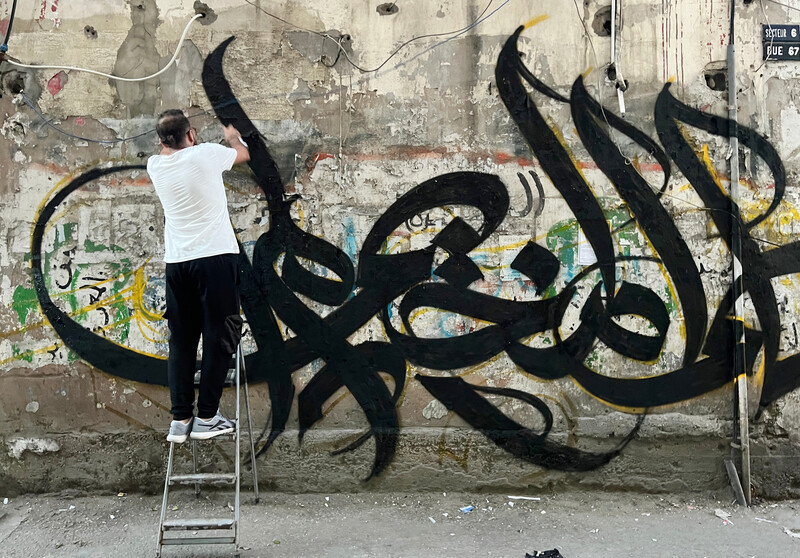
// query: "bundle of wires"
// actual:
[[483, 16]]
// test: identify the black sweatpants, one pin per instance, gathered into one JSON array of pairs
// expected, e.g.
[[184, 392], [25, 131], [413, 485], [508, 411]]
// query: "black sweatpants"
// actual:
[[201, 293]]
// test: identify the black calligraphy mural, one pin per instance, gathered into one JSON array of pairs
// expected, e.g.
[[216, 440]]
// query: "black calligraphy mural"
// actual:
[[274, 280]]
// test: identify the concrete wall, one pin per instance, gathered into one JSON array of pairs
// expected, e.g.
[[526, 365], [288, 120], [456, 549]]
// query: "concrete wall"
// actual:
[[459, 255]]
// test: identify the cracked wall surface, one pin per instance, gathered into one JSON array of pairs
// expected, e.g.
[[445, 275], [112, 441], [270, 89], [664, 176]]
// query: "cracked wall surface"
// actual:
[[505, 282]]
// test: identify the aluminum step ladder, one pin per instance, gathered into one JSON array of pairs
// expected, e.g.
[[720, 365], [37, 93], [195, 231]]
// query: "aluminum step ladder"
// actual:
[[220, 530]]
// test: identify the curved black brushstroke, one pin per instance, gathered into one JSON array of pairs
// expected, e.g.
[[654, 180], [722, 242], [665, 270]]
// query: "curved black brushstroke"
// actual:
[[668, 113], [270, 361], [651, 216], [461, 398], [528, 196], [553, 158], [325, 383], [96, 350], [285, 239], [632, 300]]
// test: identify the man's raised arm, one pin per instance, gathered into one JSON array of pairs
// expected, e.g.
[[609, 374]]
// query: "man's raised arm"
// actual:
[[234, 139]]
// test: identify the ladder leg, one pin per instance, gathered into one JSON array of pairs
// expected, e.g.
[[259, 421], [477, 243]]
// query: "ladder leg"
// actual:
[[194, 467], [250, 432], [164, 500], [239, 362]]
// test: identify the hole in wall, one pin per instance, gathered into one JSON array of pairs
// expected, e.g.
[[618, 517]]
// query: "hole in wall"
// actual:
[[716, 81], [601, 24], [716, 75], [14, 82], [201, 8], [389, 8], [90, 32]]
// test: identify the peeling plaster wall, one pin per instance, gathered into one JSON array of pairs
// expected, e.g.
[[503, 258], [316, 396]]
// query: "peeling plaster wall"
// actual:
[[350, 144]]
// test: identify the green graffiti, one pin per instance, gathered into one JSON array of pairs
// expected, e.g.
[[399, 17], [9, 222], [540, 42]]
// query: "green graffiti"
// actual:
[[24, 301], [22, 355], [562, 240], [91, 247]]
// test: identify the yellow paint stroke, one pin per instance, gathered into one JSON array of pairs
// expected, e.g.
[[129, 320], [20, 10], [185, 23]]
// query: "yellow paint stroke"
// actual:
[[137, 290], [111, 298], [32, 352], [142, 326], [710, 168], [461, 460], [443, 451], [117, 297], [535, 21], [139, 285], [760, 374], [335, 402], [60, 184]]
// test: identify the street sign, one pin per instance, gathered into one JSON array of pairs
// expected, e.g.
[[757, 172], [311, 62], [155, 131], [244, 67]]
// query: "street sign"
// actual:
[[781, 42], [782, 51], [781, 33]]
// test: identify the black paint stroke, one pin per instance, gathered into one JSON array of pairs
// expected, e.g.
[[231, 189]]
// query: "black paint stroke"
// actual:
[[669, 113], [463, 399], [652, 217], [94, 349], [284, 239], [553, 157]]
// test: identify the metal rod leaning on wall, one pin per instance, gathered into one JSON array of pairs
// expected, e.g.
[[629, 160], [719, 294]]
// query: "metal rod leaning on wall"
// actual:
[[741, 413]]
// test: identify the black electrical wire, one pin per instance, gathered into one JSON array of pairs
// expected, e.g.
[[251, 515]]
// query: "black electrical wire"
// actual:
[[56, 128], [324, 36], [392, 55], [115, 140], [10, 24]]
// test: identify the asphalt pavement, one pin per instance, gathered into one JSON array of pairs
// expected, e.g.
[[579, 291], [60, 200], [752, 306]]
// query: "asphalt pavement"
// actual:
[[578, 524]]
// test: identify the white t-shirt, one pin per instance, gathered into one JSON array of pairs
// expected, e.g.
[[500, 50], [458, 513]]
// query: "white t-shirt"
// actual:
[[189, 185]]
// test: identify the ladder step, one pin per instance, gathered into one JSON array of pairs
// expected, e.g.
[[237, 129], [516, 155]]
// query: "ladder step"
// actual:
[[198, 540], [198, 524], [228, 436], [204, 478]]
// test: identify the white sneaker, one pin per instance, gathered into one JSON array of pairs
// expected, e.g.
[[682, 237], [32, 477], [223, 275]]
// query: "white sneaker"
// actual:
[[178, 431], [203, 430]]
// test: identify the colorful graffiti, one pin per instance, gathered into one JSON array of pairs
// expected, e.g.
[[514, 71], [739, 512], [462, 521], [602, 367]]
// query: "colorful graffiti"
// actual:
[[397, 286]]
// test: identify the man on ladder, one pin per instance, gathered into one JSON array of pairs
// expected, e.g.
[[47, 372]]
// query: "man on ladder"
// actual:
[[201, 273], [202, 300]]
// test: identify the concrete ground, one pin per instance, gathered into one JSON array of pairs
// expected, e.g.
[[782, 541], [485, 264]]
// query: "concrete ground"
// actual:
[[578, 524]]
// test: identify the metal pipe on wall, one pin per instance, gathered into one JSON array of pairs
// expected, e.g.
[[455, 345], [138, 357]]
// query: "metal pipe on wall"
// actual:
[[741, 408], [618, 81]]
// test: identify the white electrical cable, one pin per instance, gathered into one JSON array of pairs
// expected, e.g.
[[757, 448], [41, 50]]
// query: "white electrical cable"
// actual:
[[118, 78]]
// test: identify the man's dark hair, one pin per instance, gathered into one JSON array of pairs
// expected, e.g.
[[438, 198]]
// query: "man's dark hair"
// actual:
[[171, 128]]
